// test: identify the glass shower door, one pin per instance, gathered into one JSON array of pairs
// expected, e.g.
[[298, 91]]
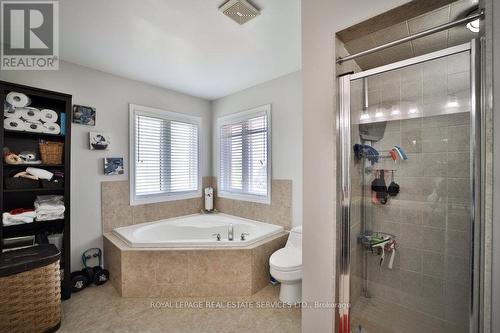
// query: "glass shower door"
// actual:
[[406, 253]]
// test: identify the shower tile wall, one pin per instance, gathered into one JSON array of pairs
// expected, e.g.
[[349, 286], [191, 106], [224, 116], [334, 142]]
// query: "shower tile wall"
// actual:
[[431, 216]]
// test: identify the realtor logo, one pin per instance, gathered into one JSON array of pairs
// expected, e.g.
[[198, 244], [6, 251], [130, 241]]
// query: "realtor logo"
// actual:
[[30, 35]]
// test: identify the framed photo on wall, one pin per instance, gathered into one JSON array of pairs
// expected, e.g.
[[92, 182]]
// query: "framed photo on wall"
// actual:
[[84, 115], [113, 166], [99, 141]]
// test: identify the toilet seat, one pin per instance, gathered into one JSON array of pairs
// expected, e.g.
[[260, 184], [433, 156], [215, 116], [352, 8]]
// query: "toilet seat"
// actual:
[[285, 266], [286, 260]]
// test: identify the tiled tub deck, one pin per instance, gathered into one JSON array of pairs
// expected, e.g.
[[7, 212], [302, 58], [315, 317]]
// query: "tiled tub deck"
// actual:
[[197, 272]]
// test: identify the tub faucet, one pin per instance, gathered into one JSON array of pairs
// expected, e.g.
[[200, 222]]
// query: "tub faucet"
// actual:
[[230, 232]]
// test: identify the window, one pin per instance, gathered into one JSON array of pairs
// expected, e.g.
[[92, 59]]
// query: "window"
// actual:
[[164, 155], [244, 155]]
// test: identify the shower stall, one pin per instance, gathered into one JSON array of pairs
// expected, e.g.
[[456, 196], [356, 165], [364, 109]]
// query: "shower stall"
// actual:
[[410, 231]]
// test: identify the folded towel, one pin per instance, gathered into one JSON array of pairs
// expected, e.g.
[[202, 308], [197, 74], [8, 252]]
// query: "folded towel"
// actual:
[[13, 219], [51, 210], [49, 207], [49, 200], [44, 216], [46, 213], [40, 173]]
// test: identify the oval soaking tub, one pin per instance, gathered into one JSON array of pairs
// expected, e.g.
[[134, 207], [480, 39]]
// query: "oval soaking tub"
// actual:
[[198, 230]]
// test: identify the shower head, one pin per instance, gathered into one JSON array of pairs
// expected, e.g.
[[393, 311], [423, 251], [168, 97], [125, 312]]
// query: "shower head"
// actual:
[[473, 26]]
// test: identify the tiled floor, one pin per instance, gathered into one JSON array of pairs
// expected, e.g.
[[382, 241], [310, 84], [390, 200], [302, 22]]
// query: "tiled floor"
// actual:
[[376, 316], [100, 309]]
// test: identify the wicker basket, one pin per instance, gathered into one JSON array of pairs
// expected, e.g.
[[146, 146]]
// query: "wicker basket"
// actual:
[[31, 301], [51, 152]]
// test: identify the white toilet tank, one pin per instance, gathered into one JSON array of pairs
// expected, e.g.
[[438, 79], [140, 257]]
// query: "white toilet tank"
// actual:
[[295, 238]]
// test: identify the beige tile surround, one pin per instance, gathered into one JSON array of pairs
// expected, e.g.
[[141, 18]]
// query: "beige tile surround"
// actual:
[[174, 272], [279, 212], [117, 212]]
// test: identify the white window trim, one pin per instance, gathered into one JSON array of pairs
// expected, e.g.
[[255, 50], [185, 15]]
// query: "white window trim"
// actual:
[[234, 117], [134, 110]]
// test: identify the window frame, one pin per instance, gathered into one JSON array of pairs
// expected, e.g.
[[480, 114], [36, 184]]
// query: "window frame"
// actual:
[[140, 110], [233, 118]]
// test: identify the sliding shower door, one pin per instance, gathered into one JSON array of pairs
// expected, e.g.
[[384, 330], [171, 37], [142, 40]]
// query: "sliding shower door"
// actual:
[[409, 227]]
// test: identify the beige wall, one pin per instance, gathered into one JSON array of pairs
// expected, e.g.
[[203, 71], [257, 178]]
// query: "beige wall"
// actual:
[[320, 20]]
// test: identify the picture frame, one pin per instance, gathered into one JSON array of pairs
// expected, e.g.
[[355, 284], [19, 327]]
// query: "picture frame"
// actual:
[[84, 115], [99, 141], [113, 166]]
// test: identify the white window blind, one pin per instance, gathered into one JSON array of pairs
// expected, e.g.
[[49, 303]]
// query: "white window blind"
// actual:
[[165, 157], [244, 155]]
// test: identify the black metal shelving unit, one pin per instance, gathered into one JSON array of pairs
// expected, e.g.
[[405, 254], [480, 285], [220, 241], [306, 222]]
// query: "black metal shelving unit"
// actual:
[[24, 198]]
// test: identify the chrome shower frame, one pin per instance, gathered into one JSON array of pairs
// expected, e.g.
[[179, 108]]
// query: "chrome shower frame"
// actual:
[[477, 149]]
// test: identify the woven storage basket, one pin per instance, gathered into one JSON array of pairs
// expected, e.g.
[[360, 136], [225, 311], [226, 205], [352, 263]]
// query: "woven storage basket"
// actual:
[[51, 152], [30, 301]]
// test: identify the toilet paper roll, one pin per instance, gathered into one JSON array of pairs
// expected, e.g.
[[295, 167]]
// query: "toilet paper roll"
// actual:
[[8, 109], [30, 114], [51, 128], [13, 124], [17, 99], [34, 127], [48, 116], [12, 113]]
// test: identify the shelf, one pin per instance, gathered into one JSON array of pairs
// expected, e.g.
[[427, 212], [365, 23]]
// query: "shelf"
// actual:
[[19, 141], [40, 189], [17, 166], [9, 133], [30, 228]]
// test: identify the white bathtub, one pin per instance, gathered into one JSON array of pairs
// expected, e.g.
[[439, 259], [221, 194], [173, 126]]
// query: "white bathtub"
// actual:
[[196, 231]]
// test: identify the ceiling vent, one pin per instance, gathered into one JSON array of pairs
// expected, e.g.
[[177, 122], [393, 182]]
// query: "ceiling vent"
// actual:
[[241, 11]]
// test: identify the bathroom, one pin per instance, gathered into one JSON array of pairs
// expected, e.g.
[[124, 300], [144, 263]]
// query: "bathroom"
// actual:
[[253, 172]]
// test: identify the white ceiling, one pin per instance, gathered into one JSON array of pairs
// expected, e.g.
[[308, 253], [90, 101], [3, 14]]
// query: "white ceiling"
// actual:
[[184, 45]]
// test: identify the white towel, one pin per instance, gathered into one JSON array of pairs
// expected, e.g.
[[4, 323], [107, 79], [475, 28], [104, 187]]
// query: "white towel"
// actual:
[[47, 213], [40, 173], [49, 216], [49, 207], [26, 217]]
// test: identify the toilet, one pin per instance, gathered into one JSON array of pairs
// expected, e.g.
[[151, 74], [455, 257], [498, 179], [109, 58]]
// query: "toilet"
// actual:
[[286, 267]]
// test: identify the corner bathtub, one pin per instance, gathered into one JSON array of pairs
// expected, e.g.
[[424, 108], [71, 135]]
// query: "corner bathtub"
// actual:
[[196, 231]]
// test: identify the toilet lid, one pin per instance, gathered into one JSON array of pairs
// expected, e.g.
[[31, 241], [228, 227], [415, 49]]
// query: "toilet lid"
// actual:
[[286, 259]]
